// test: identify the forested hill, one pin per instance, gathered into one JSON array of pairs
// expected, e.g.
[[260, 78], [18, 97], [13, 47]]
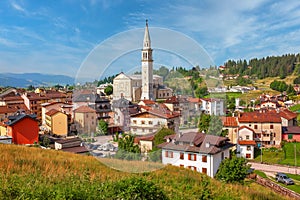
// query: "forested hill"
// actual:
[[270, 66]]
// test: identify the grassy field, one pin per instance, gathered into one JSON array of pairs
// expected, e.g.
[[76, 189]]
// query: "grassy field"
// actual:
[[279, 156], [32, 173]]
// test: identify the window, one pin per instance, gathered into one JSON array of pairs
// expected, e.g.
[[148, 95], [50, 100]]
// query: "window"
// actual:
[[204, 158], [150, 122], [271, 126], [181, 156], [204, 170], [248, 155], [255, 126], [181, 166], [247, 137], [143, 122], [134, 121], [248, 148], [169, 154], [192, 157]]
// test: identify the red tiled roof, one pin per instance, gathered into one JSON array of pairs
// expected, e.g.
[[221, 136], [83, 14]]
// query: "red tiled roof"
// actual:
[[84, 109], [172, 99], [12, 108], [13, 98], [145, 138], [247, 142], [148, 102], [52, 112], [194, 100], [261, 117], [242, 127], [287, 114], [229, 121]]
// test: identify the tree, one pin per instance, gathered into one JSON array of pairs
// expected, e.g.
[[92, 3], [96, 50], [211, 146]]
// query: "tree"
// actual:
[[233, 170], [128, 150], [30, 88], [204, 122], [215, 125], [159, 136], [103, 126], [108, 90]]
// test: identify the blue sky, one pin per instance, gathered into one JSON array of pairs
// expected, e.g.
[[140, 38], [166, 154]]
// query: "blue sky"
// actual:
[[55, 37]]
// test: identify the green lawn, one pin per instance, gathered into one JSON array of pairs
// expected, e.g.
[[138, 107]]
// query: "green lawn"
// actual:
[[223, 95], [279, 156]]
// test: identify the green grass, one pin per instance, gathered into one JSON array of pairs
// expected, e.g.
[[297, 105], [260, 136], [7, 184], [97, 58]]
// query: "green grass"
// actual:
[[260, 173], [223, 95], [278, 156], [32, 173], [295, 108]]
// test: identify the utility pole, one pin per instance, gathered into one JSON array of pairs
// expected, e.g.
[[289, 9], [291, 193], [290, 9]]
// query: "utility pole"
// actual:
[[295, 153]]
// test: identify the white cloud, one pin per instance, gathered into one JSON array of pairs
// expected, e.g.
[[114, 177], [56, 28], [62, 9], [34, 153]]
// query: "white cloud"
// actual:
[[18, 7]]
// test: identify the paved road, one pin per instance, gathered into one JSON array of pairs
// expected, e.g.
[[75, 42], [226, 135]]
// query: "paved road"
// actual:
[[275, 168]]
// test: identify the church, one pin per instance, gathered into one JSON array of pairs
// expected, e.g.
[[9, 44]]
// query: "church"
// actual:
[[145, 86]]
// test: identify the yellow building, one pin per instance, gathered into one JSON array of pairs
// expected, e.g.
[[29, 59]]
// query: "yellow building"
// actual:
[[57, 122]]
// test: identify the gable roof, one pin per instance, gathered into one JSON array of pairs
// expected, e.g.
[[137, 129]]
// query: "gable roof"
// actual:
[[246, 127], [17, 118], [197, 142], [287, 114]]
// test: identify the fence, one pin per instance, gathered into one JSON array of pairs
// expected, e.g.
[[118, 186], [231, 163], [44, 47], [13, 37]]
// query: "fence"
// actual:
[[277, 188]]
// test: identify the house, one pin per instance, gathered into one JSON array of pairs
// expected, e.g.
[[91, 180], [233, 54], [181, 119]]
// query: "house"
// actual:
[[23, 128], [266, 125], [145, 142], [72, 145], [66, 108], [123, 109], [196, 151], [231, 125], [213, 106], [151, 121], [291, 134], [57, 122], [85, 120], [246, 143]]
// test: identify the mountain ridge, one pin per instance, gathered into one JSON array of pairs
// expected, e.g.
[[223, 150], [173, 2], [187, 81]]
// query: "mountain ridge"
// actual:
[[36, 79]]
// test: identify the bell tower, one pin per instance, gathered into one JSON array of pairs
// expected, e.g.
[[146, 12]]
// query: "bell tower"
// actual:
[[147, 67]]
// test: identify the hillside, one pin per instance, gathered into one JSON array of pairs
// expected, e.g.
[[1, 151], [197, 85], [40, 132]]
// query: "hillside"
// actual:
[[32, 173]]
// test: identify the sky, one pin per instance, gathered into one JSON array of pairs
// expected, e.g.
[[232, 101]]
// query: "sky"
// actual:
[[63, 36]]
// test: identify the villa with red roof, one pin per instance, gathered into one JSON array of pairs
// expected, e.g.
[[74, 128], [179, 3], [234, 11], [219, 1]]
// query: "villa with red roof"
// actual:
[[266, 125]]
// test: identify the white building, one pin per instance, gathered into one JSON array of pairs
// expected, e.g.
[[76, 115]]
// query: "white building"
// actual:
[[151, 121], [213, 106], [196, 151], [246, 143], [145, 86]]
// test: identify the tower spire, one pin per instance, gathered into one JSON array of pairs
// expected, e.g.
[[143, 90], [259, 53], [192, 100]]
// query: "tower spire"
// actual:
[[147, 41]]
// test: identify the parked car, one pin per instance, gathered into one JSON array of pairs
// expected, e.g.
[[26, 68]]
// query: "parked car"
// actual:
[[283, 178]]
